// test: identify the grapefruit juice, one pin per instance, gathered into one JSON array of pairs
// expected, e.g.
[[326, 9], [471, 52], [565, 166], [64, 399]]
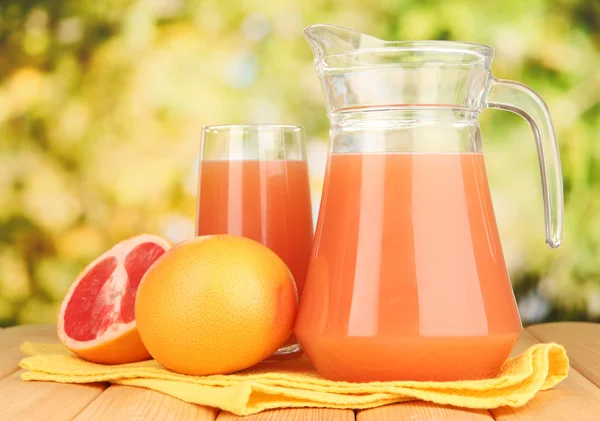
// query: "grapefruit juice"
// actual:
[[407, 279], [265, 200]]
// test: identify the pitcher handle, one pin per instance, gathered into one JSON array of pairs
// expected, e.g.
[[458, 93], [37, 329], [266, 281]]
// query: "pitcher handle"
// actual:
[[519, 99]]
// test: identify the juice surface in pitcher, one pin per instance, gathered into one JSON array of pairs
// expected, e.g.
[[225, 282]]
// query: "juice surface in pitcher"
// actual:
[[408, 279], [265, 200]]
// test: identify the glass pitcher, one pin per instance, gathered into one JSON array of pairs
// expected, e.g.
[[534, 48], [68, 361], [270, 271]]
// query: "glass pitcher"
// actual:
[[407, 277]]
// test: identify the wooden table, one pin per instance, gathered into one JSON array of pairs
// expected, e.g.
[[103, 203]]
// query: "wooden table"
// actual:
[[575, 399]]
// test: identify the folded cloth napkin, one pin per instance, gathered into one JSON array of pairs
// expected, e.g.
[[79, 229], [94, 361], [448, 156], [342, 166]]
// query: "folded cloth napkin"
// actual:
[[295, 383]]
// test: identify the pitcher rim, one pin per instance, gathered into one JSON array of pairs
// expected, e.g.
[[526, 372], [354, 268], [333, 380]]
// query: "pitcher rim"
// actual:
[[408, 45]]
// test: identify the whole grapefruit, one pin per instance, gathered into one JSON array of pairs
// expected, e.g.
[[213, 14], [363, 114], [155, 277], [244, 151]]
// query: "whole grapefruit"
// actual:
[[215, 304]]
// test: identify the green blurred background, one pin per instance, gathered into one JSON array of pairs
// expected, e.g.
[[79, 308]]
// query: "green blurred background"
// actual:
[[102, 103]]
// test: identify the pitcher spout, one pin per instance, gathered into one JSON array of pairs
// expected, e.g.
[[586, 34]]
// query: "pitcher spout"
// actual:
[[328, 40]]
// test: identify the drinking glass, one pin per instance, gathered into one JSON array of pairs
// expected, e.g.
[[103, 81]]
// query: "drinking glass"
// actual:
[[253, 182]]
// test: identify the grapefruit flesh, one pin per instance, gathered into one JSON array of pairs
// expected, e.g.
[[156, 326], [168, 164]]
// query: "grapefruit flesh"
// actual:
[[97, 317]]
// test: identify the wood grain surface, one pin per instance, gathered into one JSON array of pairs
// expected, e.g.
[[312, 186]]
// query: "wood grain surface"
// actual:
[[577, 398], [422, 411], [44, 401], [301, 414], [582, 342], [11, 339], [126, 403]]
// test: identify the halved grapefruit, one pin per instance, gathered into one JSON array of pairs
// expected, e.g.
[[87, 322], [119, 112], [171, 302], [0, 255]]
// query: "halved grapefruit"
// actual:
[[97, 316]]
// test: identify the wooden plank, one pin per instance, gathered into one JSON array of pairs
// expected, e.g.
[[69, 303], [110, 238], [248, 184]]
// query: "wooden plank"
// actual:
[[12, 338], [582, 342], [422, 411], [133, 403], [295, 414], [48, 401], [9, 362], [576, 398]]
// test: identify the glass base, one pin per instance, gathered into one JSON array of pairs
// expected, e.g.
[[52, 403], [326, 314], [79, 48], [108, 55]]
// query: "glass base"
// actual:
[[288, 349], [287, 352]]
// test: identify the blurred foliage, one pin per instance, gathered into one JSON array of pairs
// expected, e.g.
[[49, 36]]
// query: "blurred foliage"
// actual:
[[102, 102]]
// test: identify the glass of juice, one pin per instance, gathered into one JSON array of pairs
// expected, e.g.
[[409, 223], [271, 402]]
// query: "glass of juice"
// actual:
[[253, 182]]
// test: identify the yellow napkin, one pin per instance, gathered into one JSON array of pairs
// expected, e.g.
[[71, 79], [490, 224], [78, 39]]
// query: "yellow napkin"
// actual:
[[295, 383]]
